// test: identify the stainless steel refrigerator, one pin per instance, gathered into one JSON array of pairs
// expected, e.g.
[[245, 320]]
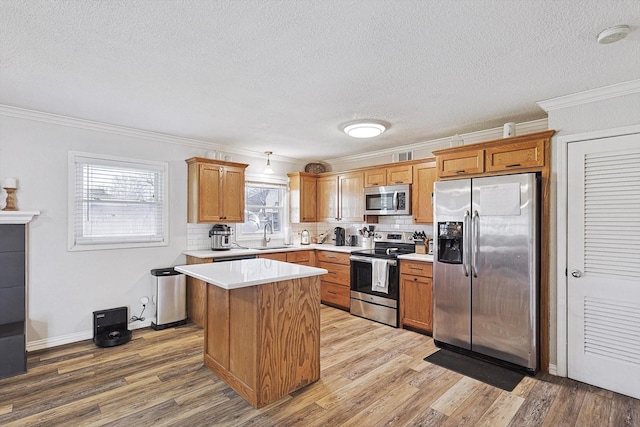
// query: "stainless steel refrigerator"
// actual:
[[486, 274]]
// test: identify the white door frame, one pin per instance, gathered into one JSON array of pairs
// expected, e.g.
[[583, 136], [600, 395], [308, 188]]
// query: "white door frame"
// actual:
[[561, 234]]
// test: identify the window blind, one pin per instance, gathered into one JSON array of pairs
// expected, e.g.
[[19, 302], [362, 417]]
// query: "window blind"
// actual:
[[118, 201]]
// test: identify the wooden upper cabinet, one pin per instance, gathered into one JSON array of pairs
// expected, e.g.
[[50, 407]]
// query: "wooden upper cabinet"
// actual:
[[375, 177], [525, 153], [515, 156], [351, 197], [424, 175], [399, 175], [341, 197], [391, 175], [303, 194], [327, 198], [215, 191], [461, 163]]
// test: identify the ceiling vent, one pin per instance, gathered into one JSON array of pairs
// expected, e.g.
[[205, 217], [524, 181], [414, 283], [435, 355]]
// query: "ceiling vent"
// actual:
[[403, 157]]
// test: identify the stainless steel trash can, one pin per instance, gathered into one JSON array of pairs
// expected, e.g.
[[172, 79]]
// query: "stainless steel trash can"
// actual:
[[170, 298]]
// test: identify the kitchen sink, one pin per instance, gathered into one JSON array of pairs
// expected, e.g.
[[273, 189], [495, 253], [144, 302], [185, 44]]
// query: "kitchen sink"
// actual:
[[271, 247]]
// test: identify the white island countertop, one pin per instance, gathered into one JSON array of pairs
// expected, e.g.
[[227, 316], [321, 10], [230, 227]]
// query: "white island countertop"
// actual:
[[248, 272]]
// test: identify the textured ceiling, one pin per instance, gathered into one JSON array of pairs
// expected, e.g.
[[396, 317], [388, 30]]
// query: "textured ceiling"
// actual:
[[283, 75]]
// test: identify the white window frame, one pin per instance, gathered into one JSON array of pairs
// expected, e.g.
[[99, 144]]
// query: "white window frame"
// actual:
[[269, 182], [78, 243]]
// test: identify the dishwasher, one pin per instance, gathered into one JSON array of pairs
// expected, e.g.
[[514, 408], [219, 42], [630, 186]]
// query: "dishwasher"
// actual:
[[234, 258]]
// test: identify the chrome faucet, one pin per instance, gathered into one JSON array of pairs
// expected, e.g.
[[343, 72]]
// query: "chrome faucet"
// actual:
[[264, 236]]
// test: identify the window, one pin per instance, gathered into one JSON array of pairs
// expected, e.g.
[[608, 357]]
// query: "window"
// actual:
[[264, 204], [116, 202]]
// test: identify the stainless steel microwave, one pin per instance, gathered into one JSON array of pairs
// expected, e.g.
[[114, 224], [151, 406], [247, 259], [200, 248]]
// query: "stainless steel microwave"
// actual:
[[388, 200]]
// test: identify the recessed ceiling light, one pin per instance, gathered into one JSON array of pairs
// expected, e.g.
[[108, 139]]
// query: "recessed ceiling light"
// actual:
[[364, 129], [613, 34]]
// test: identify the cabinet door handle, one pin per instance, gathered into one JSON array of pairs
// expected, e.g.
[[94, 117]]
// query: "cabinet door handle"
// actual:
[[460, 171], [513, 165], [332, 293]]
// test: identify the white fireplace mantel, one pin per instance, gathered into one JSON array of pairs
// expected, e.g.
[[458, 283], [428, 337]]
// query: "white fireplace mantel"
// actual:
[[17, 217]]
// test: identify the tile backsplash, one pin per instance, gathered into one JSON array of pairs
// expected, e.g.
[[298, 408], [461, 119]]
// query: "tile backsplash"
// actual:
[[198, 234]]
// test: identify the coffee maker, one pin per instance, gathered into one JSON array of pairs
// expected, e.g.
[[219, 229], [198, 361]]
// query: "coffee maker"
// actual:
[[340, 236]]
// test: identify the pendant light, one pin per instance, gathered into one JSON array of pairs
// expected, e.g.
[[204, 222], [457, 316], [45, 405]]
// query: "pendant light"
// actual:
[[268, 169]]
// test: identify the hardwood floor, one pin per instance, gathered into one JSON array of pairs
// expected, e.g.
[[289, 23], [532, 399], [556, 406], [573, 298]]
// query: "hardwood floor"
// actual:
[[372, 375]]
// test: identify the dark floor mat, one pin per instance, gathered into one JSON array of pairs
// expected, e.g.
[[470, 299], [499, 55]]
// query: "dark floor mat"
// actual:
[[480, 370]]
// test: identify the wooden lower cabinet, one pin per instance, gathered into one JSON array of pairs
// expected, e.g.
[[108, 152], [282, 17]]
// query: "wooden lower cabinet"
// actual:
[[196, 294], [416, 295], [196, 289], [264, 340], [335, 287], [277, 256], [307, 258]]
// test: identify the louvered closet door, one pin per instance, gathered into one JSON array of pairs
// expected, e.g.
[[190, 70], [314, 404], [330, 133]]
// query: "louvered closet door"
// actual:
[[604, 263]]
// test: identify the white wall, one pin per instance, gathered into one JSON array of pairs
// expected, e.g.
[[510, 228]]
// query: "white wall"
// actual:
[[604, 108], [64, 288]]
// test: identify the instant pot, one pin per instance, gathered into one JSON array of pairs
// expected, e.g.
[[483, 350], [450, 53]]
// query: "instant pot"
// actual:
[[220, 237]]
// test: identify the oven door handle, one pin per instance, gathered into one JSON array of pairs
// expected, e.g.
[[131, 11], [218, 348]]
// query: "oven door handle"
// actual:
[[369, 260]]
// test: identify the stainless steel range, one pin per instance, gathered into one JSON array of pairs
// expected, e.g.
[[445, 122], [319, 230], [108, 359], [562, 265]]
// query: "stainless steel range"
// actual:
[[375, 277]]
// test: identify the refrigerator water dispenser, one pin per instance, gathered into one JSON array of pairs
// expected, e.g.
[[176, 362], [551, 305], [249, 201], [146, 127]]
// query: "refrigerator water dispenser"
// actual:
[[450, 242]]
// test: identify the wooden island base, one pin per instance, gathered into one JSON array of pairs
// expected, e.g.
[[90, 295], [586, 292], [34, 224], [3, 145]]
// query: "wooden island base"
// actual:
[[264, 340]]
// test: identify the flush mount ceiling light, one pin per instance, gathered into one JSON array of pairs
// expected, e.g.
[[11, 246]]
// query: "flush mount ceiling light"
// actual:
[[268, 169], [364, 128], [613, 34]]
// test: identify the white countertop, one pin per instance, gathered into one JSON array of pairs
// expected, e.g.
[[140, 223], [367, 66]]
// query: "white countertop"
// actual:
[[239, 252], [417, 257], [248, 272]]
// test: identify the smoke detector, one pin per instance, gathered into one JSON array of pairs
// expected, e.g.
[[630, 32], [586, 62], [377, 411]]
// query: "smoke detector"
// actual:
[[613, 34]]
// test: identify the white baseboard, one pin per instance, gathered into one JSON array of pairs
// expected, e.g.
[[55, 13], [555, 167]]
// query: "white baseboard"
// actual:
[[553, 369], [78, 336]]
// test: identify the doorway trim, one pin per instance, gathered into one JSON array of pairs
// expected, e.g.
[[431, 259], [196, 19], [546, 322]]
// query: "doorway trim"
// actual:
[[562, 313]]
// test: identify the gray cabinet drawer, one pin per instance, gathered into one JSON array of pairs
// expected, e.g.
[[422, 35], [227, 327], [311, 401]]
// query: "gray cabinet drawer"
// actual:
[[12, 307], [12, 237], [12, 268]]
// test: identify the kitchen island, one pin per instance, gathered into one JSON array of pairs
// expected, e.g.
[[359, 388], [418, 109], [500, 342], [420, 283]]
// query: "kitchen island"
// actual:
[[262, 329]]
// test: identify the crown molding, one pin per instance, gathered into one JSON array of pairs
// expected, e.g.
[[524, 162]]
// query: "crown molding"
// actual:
[[592, 95], [446, 142], [56, 119]]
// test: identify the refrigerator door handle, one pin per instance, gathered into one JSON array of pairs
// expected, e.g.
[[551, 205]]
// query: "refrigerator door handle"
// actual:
[[465, 245], [474, 243]]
